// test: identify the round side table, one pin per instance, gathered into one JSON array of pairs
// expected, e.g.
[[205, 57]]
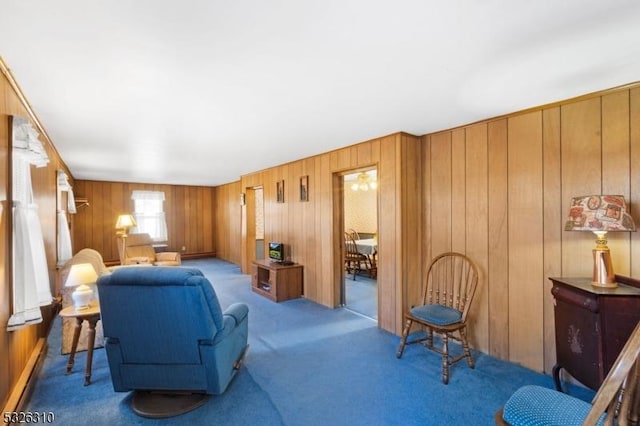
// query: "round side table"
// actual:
[[92, 316]]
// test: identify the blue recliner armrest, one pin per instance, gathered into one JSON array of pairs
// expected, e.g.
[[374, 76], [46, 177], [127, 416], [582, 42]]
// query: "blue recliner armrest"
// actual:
[[234, 316], [238, 311], [229, 346]]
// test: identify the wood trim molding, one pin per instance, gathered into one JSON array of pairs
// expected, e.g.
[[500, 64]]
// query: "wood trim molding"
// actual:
[[4, 68], [22, 389], [542, 107]]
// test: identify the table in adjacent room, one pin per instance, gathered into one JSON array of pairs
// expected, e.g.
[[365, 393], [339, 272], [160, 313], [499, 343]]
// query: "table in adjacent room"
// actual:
[[368, 246]]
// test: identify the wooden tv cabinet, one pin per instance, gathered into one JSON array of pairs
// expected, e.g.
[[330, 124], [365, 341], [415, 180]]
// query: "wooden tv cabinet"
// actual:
[[276, 281]]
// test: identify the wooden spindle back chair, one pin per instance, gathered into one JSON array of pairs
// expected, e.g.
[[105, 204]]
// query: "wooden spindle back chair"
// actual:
[[354, 261], [449, 287]]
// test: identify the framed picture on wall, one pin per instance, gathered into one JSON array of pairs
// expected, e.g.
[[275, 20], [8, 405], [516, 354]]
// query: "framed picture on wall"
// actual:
[[304, 188], [280, 191]]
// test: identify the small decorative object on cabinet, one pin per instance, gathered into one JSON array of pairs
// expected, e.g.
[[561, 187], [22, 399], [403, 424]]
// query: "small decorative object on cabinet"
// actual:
[[592, 325], [276, 281]]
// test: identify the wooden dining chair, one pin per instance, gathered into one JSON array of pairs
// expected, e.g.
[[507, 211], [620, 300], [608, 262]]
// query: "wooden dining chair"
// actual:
[[353, 233], [449, 287], [617, 401], [354, 261]]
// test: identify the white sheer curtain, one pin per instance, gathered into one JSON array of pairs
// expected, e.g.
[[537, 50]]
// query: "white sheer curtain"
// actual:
[[149, 214], [65, 250], [30, 272], [64, 185]]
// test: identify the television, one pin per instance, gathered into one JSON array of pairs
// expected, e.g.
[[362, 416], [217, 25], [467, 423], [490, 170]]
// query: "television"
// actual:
[[276, 252]]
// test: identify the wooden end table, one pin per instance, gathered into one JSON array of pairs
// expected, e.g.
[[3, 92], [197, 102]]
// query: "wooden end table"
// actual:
[[92, 316]]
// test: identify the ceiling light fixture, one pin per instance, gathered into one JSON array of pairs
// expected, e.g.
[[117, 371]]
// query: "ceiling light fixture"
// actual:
[[364, 182]]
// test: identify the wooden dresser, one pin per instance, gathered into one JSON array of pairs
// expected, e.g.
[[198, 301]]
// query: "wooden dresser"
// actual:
[[592, 324]]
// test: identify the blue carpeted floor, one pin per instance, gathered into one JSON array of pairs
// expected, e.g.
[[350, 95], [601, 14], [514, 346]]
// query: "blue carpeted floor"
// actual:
[[362, 295], [307, 365]]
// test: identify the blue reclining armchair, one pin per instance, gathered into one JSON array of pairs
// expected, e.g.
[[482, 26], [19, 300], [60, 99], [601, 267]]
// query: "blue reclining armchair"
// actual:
[[166, 337]]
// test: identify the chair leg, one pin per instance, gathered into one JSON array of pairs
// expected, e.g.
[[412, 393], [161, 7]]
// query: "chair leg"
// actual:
[[445, 358], [465, 347], [358, 269], [403, 339], [429, 342], [350, 269], [373, 270], [354, 269]]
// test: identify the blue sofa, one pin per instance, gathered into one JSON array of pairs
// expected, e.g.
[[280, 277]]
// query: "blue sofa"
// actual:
[[165, 331]]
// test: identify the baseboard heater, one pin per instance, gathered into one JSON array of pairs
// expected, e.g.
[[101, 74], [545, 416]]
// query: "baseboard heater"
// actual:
[[22, 390]]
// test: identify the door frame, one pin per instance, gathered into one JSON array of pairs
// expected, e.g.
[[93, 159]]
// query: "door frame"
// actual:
[[338, 231], [249, 225]]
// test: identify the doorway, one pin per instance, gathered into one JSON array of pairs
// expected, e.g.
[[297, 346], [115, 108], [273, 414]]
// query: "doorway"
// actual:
[[253, 225], [259, 222], [359, 292]]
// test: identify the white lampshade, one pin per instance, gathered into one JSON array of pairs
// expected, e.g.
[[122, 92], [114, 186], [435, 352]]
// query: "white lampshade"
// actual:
[[82, 273], [79, 276]]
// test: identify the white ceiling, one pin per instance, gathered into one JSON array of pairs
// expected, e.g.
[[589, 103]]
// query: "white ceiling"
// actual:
[[201, 92]]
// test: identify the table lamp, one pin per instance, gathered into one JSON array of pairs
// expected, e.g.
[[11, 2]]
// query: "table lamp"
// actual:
[[600, 214], [79, 276]]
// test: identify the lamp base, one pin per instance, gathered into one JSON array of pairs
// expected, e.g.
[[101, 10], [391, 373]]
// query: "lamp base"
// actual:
[[124, 247], [82, 297], [603, 275]]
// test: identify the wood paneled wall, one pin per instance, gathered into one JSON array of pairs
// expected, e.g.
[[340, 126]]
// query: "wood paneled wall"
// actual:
[[189, 211], [227, 222], [18, 349], [311, 229], [499, 191]]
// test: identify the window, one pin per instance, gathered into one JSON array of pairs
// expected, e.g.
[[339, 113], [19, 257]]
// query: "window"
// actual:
[[149, 214]]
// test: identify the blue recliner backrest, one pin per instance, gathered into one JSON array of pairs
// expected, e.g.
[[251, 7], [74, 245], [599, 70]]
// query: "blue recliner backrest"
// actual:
[[159, 314]]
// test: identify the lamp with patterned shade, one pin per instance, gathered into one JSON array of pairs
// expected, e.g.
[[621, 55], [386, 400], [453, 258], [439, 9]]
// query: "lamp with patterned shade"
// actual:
[[600, 214]]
